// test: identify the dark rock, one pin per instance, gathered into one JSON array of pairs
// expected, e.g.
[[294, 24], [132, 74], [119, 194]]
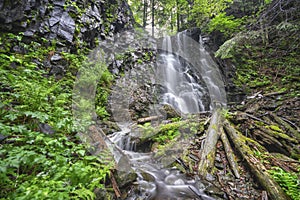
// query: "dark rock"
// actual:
[[169, 111], [210, 177], [57, 70], [46, 128], [125, 178], [19, 49], [29, 33], [67, 27], [55, 58], [11, 12], [194, 33], [103, 194], [109, 127], [55, 16], [2, 137], [59, 3], [13, 65]]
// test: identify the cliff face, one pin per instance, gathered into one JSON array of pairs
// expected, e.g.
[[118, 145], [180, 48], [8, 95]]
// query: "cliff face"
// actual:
[[71, 22]]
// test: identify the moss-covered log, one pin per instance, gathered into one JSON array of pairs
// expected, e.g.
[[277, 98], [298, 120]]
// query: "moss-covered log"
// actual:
[[293, 132], [275, 192], [208, 150], [229, 154]]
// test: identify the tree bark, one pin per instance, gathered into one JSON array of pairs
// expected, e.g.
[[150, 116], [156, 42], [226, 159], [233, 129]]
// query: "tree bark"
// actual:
[[275, 192], [152, 18], [294, 133], [177, 16], [229, 154], [145, 14], [208, 151], [148, 119]]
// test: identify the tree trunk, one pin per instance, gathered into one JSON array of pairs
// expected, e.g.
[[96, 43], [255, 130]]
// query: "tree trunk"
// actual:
[[152, 18], [275, 192], [229, 154], [177, 15], [208, 150], [145, 14]]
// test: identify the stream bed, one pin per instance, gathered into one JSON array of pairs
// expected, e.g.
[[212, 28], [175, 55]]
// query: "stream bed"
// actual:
[[190, 83]]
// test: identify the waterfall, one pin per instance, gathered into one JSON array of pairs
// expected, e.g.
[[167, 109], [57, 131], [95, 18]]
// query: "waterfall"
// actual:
[[181, 89], [191, 83], [181, 61]]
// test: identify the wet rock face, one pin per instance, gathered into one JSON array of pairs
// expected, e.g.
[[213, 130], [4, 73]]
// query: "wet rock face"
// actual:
[[65, 20], [71, 25]]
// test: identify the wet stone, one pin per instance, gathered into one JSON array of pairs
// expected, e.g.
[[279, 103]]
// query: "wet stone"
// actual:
[[55, 58]]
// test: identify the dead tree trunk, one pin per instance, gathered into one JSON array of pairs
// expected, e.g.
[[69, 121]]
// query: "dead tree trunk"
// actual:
[[208, 150], [275, 192]]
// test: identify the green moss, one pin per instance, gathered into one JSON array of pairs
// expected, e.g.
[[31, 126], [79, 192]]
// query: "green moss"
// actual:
[[280, 133]]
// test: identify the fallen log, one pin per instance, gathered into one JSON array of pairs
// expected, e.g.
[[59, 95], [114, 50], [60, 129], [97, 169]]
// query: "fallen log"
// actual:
[[229, 154], [286, 125], [148, 119], [274, 191], [208, 150]]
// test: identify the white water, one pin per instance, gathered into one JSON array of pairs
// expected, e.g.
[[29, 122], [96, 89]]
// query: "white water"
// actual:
[[190, 87], [182, 90]]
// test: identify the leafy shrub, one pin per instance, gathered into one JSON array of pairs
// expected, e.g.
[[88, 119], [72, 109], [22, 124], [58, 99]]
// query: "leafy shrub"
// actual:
[[35, 164]]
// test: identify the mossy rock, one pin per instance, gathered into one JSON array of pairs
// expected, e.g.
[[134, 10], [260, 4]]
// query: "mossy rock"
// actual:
[[169, 111]]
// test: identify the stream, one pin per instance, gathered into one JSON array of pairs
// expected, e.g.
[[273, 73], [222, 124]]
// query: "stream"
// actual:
[[191, 83]]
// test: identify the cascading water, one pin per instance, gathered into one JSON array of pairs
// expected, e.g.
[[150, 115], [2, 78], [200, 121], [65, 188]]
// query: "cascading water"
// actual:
[[183, 92], [192, 83]]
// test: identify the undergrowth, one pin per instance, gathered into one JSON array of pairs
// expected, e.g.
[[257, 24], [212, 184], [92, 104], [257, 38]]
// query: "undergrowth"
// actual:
[[40, 154], [288, 181]]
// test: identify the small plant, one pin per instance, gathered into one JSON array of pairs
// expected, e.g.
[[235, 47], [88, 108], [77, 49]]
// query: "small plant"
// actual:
[[34, 163], [288, 181]]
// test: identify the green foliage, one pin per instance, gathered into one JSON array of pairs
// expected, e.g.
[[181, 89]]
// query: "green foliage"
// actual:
[[203, 10], [36, 165], [167, 133], [288, 181], [258, 65], [227, 25], [102, 93]]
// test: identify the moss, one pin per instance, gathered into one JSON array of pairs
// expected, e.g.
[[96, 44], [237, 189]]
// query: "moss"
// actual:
[[279, 133]]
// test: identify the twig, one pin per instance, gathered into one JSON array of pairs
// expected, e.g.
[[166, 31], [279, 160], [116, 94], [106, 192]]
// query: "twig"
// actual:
[[275, 93], [264, 195], [181, 162], [291, 123], [256, 118], [115, 185]]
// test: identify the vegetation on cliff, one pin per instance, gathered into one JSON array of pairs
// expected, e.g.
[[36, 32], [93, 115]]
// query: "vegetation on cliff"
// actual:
[[41, 53]]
